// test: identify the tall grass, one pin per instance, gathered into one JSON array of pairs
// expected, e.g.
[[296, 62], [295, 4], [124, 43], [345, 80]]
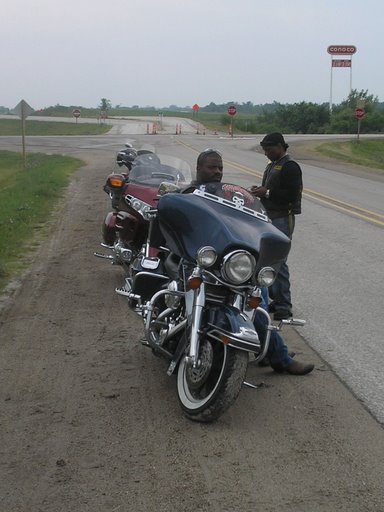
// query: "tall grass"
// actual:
[[27, 199]]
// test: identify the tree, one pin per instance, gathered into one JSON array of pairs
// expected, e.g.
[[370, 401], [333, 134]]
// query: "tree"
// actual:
[[105, 104], [343, 116], [357, 98]]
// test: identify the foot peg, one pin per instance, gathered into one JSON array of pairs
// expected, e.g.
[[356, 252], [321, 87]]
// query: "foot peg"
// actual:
[[103, 256]]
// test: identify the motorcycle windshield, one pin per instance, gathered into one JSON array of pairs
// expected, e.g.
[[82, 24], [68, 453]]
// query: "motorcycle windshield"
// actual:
[[151, 169], [224, 216]]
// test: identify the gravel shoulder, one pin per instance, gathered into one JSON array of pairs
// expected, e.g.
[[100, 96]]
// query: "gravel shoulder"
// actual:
[[89, 421]]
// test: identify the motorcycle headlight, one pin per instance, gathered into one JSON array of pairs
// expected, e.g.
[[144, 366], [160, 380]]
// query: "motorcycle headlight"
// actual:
[[238, 267], [266, 276], [206, 256]]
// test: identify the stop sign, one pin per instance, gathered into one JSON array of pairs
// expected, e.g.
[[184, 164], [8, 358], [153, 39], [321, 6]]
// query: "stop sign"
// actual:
[[359, 113], [232, 110], [76, 113]]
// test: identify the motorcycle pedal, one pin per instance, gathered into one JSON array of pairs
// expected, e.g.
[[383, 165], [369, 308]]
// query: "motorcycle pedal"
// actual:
[[103, 256], [123, 292]]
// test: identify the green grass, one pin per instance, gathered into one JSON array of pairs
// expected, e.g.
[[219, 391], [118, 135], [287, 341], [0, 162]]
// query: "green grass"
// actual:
[[369, 153], [14, 127], [27, 200]]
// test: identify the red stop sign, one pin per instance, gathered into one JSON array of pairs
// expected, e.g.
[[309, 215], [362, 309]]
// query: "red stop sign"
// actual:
[[76, 112], [359, 113], [232, 110]]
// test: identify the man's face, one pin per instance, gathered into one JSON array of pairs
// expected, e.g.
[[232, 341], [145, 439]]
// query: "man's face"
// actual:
[[274, 152], [210, 170]]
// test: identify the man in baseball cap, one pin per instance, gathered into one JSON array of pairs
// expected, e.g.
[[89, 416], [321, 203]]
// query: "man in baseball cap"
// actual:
[[280, 193], [273, 139]]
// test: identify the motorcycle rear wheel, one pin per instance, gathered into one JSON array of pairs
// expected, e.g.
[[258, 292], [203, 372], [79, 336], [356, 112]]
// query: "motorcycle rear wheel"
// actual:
[[206, 392]]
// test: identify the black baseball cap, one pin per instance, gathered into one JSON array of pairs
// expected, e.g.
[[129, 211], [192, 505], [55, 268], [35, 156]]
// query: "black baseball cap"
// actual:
[[273, 139]]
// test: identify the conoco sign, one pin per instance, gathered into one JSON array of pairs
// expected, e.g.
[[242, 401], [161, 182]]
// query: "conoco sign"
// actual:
[[341, 49]]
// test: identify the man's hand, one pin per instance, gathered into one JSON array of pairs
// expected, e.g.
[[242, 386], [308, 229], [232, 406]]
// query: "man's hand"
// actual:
[[258, 191]]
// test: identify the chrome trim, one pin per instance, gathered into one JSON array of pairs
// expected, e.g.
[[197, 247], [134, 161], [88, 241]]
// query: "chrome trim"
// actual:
[[230, 204], [149, 307], [248, 341], [197, 312]]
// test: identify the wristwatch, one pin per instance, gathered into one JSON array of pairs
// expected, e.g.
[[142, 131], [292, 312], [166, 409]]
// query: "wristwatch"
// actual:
[[267, 194]]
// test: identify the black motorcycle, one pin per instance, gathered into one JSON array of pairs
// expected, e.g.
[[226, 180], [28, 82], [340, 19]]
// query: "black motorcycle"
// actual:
[[198, 297]]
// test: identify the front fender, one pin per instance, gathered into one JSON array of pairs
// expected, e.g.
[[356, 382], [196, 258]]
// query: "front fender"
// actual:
[[229, 325]]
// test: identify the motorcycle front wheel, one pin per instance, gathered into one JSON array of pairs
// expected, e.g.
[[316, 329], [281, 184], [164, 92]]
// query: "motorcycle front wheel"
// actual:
[[207, 391]]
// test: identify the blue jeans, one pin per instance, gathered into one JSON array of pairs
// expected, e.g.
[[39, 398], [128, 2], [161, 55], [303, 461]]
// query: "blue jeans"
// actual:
[[277, 350], [280, 291]]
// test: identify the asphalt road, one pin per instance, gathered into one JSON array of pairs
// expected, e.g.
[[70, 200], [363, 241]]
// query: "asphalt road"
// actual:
[[89, 419]]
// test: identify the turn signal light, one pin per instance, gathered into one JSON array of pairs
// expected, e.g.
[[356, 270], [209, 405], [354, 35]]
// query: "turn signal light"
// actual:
[[254, 302], [194, 282], [116, 181], [224, 339]]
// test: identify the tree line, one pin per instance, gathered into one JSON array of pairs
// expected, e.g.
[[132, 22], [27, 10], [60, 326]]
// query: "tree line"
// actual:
[[306, 117], [303, 117]]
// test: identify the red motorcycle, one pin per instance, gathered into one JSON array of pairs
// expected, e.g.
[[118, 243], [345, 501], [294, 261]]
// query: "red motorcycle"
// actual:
[[132, 194]]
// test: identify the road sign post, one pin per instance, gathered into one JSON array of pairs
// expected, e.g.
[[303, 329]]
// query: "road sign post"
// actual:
[[195, 111], [23, 110], [359, 114], [76, 114], [232, 112]]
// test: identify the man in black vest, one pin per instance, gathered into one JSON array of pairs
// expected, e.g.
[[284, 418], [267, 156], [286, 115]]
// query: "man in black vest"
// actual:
[[280, 194], [209, 170]]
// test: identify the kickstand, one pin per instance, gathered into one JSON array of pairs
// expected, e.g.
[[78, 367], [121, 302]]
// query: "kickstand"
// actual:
[[249, 385]]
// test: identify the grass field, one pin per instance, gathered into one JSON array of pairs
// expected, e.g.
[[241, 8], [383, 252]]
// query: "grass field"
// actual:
[[369, 153], [14, 127], [27, 200]]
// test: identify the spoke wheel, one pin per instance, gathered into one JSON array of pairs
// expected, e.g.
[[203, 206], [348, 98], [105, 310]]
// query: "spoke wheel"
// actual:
[[206, 391]]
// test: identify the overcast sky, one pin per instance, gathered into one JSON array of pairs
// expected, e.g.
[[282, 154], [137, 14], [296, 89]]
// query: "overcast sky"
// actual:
[[182, 52]]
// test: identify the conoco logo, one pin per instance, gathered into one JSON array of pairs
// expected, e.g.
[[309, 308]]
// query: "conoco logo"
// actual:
[[341, 50]]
